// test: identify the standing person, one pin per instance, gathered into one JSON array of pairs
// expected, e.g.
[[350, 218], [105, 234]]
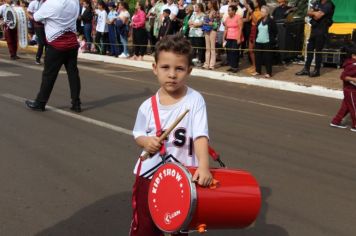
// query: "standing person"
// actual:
[[39, 29], [157, 14], [233, 36], [172, 67], [281, 12], [196, 34], [101, 36], [87, 18], [321, 15], [111, 22], [255, 17], [210, 26], [166, 28], [139, 33], [348, 76], [189, 12], [59, 19], [150, 20], [122, 27], [265, 40], [10, 34], [180, 16], [174, 12]]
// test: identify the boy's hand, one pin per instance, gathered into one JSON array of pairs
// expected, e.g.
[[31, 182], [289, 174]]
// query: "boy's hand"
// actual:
[[152, 144], [203, 177]]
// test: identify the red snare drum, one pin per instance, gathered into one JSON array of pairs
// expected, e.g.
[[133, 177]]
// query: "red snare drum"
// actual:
[[178, 204]]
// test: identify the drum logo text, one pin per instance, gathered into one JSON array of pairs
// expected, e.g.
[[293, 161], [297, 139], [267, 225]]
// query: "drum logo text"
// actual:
[[169, 217], [165, 173]]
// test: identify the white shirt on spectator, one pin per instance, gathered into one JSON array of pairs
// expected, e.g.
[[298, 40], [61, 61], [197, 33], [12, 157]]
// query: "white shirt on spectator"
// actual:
[[173, 8], [223, 11], [101, 25], [58, 16]]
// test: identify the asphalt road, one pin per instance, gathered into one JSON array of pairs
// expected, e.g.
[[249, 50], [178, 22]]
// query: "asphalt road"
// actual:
[[68, 175]]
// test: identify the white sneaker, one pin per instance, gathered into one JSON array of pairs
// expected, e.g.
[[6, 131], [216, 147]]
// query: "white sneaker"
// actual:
[[353, 129], [338, 126], [122, 55]]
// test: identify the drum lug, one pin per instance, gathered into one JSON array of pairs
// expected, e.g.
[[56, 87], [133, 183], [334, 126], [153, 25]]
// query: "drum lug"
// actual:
[[200, 229]]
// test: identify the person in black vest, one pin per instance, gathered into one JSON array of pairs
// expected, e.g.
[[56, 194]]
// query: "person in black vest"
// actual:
[[281, 12], [321, 15]]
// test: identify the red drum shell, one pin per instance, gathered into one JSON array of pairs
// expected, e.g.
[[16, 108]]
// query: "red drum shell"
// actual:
[[182, 205]]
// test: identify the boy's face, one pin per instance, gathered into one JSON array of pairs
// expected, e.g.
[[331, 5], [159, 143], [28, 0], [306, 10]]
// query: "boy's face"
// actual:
[[165, 14], [172, 71]]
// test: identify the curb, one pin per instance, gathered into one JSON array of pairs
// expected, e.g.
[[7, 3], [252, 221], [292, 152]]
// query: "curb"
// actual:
[[216, 75]]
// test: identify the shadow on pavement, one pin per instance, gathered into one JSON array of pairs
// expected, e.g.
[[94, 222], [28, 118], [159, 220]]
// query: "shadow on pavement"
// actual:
[[110, 216]]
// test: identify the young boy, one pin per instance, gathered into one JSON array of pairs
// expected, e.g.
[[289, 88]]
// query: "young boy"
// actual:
[[166, 28], [348, 105], [187, 143]]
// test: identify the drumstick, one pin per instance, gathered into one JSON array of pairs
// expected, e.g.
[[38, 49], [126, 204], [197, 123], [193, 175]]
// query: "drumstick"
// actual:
[[166, 133]]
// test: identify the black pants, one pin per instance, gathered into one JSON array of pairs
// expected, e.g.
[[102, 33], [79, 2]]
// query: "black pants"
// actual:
[[140, 41], [101, 42], [315, 42], [41, 41], [54, 59], [198, 44], [263, 57], [232, 53]]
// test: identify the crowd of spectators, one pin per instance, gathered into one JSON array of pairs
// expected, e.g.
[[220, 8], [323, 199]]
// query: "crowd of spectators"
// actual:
[[219, 30]]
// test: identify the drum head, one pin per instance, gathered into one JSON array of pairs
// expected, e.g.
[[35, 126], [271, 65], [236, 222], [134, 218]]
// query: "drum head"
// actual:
[[10, 18], [172, 198]]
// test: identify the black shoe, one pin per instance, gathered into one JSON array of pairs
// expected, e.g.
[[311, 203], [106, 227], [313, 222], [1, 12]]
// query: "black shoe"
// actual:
[[38, 61], [34, 105], [303, 72], [315, 73], [230, 69], [14, 57], [76, 108], [234, 70]]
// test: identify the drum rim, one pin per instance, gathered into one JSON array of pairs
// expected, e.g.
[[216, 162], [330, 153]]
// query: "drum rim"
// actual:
[[193, 198], [10, 8]]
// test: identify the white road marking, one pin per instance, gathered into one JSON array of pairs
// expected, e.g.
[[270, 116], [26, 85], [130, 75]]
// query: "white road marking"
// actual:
[[7, 74], [75, 116]]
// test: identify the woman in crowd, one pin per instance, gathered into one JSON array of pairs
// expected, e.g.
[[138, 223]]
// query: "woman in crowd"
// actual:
[[185, 28], [87, 18], [111, 21], [233, 37], [210, 27], [156, 13], [150, 21], [256, 16], [101, 36], [122, 28], [178, 23], [265, 40], [196, 34], [139, 33]]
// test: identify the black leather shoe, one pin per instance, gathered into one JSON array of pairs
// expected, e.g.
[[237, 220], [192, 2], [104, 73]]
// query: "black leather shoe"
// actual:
[[36, 106], [315, 73], [303, 72], [76, 108]]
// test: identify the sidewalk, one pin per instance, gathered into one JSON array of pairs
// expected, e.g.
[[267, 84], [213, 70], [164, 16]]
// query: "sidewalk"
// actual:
[[327, 85]]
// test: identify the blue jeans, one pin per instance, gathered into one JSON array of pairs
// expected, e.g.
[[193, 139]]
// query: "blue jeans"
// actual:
[[112, 40], [87, 35]]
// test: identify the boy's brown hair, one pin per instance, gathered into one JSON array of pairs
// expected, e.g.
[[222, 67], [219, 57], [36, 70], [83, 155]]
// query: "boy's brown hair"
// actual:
[[174, 43]]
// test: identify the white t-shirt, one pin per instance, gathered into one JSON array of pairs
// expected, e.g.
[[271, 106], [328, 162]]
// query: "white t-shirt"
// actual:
[[58, 16], [179, 146], [3, 9], [173, 8], [223, 11], [101, 25]]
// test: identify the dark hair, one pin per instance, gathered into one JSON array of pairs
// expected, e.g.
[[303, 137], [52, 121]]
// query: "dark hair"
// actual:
[[124, 4], [142, 5], [177, 44], [103, 5], [201, 7], [233, 7], [215, 5], [89, 4], [167, 11], [261, 3]]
